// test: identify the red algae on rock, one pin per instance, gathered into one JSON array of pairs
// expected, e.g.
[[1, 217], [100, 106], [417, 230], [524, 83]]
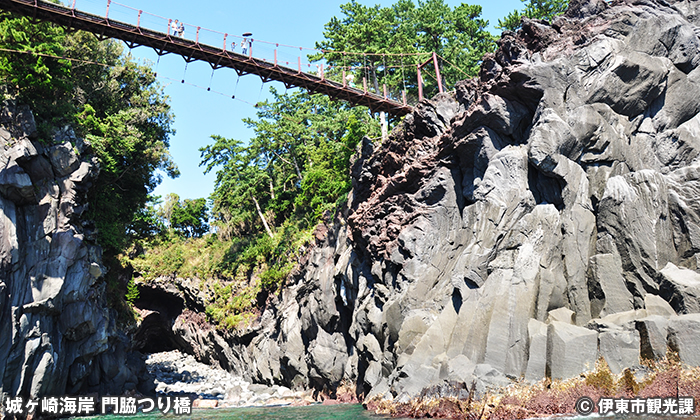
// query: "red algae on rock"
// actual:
[[662, 379]]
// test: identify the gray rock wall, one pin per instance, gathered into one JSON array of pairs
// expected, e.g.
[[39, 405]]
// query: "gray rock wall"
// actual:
[[542, 216], [564, 178], [56, 336]]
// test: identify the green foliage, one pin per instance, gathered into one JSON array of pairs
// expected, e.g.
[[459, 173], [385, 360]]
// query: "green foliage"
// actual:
[[146, 222], [189, 217], [132, 292], [273, 277], [457, 34], [232, 308], [130, 136], [117, 106], [295, 166], [269, 195], [327, 181], [534, 9], [44, 83], [170, 253]]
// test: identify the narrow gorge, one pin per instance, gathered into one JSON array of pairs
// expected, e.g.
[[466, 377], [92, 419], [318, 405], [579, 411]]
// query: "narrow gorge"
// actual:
[[541, 216]]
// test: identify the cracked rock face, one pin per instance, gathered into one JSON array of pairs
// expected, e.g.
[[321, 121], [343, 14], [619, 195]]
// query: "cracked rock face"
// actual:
[[56, 335], [550, 204]]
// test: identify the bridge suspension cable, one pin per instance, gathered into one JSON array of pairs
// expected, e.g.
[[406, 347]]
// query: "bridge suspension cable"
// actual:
[[196, 49]]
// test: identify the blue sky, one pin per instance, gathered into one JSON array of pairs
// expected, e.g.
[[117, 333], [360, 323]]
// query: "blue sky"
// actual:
[[200, 113]]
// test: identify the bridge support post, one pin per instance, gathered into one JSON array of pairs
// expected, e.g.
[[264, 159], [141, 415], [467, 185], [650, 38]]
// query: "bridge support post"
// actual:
[[364, 84], [197, 39], [437, 72], [107, 13], [138, 21], [225, 35], [345, 81], [385, 126], [403, 96], [420, 85]]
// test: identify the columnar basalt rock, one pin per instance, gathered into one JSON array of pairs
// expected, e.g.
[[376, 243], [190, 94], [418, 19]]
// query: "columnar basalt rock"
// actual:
[[564, 178], [550, 204], [56, 335]]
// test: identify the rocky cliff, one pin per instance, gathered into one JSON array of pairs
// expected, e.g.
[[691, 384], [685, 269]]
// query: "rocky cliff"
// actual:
[[56, 335], [542, 216]]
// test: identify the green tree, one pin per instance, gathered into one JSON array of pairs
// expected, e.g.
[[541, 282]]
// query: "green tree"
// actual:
[[39, 81], [295, 165], [146, 223], [129, 134], [371, 39], [190, 217], [534, 9], [116, 105]]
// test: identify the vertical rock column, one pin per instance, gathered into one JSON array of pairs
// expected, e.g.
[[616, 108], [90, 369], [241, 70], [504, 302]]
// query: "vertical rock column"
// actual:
[[52, 318]]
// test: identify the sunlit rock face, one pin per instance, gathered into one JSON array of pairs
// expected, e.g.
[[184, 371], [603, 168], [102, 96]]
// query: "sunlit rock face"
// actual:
[[543, 215], [56, 335]]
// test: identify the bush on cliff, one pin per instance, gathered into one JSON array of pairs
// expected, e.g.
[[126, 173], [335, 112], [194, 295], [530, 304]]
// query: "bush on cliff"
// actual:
[[534, 9]]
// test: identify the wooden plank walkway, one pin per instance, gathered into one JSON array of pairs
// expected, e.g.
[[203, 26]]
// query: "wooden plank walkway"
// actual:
[[164, 43]]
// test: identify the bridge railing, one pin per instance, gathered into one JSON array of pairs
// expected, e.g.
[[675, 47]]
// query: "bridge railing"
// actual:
[[130, 20], [233, 41]]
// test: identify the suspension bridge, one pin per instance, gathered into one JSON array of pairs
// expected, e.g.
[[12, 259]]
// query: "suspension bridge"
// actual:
[[168, 41]]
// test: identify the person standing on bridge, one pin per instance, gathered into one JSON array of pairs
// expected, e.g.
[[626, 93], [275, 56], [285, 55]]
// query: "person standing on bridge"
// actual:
[[181, 30], [174, 26], [244, 46]]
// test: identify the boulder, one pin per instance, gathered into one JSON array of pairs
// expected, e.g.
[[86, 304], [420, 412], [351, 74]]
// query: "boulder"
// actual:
[[653, 333], [606, 281], [329, 354], [681, 288], [488, 378], [656, 305], [571, 350], [624, 320], [684, 337], [564, 315], [63, 159], [619, 348], [15, 183], [460, 369]]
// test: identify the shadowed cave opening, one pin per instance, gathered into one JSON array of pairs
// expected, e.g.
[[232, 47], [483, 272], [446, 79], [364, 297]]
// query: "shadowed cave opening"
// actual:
[[160, 309]]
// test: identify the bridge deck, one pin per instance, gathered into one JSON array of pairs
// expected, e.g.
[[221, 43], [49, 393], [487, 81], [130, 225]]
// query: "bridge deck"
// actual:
[[192, 50]]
